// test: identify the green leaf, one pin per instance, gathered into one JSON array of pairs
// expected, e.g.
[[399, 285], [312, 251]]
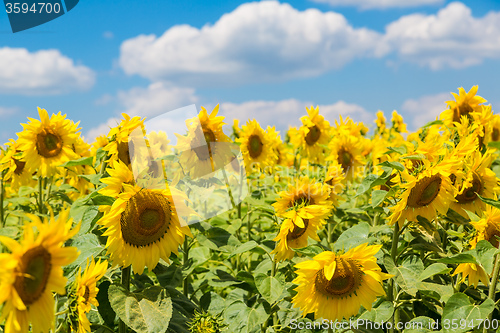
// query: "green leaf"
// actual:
[[81, 161], [393, 165], [432, 123], [494, 144], [491, 202], [89, 246], [459, 308], [212, 303], [269, 287], [353, 237], [461, 258], [400, 150], [421, 325], [445, 291], [149, 311], [434, 269], [382, 313], [104, 308], [485, 255], [243, 319], [377, 197], [250, 245], [406, 275]]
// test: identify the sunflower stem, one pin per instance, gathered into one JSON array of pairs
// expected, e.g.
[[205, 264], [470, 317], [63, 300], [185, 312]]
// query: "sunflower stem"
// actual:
[[40, 195], [493, 285], [122, 328], [392, 287], [185, 264]]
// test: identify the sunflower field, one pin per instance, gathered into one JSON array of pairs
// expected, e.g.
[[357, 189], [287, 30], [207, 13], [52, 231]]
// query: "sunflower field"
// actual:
[[330, 227]]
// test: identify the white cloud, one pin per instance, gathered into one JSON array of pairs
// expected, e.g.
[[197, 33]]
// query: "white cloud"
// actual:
[[108, 35], [7, 111], [285, 113], [157, 98], [257, 42], [380, 4], [425, 108], [452, 38], [41, 72]]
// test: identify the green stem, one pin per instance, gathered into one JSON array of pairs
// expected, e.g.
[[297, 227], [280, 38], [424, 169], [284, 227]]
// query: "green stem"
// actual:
[[40, 195], [392, 287], [493, 285], [122, 328], [185, 282], [249, 224]]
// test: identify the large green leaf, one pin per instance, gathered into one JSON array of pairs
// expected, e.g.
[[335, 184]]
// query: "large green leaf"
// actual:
[[104, 308], [459, 308], [242, 319], [407, 275], [269, 287], [382, 313], [353, 237], [149, 311], [421, 325], [434, 269]]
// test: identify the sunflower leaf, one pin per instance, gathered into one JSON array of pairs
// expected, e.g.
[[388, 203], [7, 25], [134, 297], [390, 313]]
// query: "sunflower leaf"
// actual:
[[81, 161], [459, 308], [269, 287], [491, 202], [149, 311], [407, 274]]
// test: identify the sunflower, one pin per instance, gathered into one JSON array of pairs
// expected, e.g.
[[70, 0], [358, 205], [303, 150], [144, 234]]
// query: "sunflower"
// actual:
[[426, 194], [335, 178], [85, 293], [205, 148], [398, 124], [312, 135], [493, 129], [480, 181], [381, 123], [32, 271], [120, 146], [487, 228], [143, 225], [48, 142], [16, 169], [119, 175], [256, 146], [347, 151], [463, 105], [305, 206], [335, 285]]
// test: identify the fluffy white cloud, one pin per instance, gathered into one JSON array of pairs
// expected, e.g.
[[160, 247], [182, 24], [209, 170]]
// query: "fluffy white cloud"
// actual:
[[41, 72], [156, 99], [425, 108], [452, 38], [285, 113], [380, 4], [257, 42]]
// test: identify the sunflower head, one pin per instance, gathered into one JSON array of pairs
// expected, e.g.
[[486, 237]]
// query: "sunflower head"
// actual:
[[464, 105]]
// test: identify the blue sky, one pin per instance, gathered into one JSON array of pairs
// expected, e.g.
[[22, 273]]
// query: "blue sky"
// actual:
[[267, 60]]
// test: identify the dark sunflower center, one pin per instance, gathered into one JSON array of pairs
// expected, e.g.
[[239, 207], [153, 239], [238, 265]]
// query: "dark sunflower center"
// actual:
[[19, 166], [425, 191], [297, 231], [463, 109], [313, 135], [32, 274], [125, 150], [48, 143], [471, 192], [204, 152], [146, 218], [344, 282], [255, 146], [344, 159], [86, 295], [492, 234], [495, 134], [301, 200]]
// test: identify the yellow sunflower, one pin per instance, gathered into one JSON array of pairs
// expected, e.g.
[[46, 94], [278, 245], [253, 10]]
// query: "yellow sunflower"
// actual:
[[487, 228], [335, 179], [32, 271], [256, 146], [398, 124], [17, 172], [381, 123], [205, 148], [334, 286], [48, 142], [463, 105], [86, 290], [313, 135], [426, 194], [493, 129], [143, 225], [120, 147], [347, 151], [119, 175], [480, 181]]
